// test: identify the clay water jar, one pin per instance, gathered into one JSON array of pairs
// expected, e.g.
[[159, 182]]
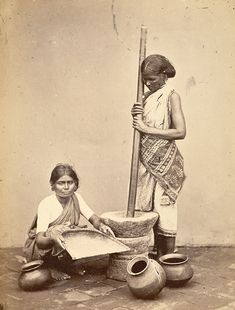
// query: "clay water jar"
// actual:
[[34, 276], [145, 277], [177, 268]]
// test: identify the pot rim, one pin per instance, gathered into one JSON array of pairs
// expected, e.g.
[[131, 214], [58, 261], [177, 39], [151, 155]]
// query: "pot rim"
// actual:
[[35, 264], [163, 259], [135, 260]]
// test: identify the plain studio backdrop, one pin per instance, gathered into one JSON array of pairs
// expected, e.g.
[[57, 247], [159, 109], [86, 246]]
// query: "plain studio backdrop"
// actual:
[[68, 82]]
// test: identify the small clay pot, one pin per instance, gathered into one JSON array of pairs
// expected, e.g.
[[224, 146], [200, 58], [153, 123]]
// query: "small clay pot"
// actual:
[[145, 277], [177, 268], [34, 276]]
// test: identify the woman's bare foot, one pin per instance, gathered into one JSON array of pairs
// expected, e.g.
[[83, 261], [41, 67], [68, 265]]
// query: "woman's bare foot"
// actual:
[[59, 275]]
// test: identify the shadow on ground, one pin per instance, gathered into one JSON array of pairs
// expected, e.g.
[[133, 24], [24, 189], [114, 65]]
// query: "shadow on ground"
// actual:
[[212, 286]]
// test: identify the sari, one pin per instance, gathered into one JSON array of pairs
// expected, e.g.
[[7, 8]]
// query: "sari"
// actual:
[[70, 213], [160, 160]]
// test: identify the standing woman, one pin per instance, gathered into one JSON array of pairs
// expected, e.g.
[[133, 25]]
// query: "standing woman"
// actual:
[[161, 172], [57, 213]]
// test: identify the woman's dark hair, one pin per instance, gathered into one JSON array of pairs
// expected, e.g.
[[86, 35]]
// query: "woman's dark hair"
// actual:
[[158, 64], [61, 170]]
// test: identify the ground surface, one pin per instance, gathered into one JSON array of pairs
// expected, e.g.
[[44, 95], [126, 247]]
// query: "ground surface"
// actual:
[[212, 286]]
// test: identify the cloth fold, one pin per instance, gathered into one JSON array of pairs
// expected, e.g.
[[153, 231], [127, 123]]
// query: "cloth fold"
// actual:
[[163, 160]]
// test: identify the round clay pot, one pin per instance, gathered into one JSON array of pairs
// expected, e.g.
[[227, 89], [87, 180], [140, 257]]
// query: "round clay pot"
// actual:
[[177, 268], [34, 276], [145, 277]]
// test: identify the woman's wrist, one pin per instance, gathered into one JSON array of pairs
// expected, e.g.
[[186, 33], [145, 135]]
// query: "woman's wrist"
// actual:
[[44, 242], [95, 221], [146, 129]]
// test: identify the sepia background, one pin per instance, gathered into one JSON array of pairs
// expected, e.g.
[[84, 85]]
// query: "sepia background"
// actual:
[[68, 81]]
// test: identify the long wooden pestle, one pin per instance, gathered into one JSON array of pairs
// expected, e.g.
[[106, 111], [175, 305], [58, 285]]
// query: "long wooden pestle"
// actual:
[[136, 136]]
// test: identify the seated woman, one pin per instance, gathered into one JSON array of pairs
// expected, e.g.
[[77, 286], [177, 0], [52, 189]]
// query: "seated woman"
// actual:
[[57, 213]]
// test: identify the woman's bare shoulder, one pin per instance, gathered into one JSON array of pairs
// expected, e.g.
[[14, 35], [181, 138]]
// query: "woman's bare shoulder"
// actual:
[[174, 95], [175, 99]]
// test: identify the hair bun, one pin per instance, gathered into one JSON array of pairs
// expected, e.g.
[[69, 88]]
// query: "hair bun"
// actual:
[[158, 64]]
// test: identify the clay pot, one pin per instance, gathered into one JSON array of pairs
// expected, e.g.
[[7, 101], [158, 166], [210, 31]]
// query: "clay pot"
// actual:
[[145, 277], [34, 276], [177, 268]]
